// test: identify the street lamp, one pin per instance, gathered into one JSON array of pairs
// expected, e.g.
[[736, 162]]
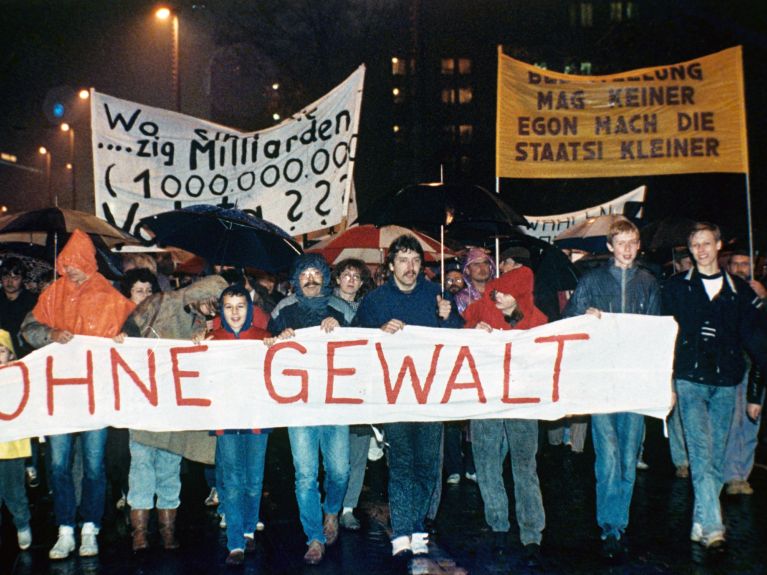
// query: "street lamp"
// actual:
[[43, 151], [65, 127], [165, 13]]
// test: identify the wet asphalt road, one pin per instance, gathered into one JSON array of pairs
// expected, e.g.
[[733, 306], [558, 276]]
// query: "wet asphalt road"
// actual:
[[658, 535]]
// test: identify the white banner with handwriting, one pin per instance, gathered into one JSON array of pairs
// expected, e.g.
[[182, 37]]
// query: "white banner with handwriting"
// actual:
[[297, 174], [618, 363]]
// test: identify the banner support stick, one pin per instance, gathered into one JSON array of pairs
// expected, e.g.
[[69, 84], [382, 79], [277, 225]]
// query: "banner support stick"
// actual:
[[749, 222]]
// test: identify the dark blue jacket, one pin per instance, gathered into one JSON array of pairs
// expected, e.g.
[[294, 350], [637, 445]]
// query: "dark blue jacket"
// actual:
[[616, 290], [737, 322], [417, 307]]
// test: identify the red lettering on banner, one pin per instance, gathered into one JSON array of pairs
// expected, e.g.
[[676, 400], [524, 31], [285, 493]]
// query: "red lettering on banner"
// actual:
[[334, 371], [421, 392], [560, 341], [25, 394], [87, 380], [149, 392], [179, 374], [507, 377], [303, 394], [464, 354]]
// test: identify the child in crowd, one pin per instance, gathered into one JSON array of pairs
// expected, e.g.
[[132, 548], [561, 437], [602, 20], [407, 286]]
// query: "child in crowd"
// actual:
[[12, 454], [241, 451]]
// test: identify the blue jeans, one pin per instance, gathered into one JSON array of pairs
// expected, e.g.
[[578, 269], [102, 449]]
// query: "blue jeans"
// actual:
[[153, 471], [617, 440], [414, 466], [241, 460], [706, 416], [742, 439], [13, 491], [676, 439], [94, 477], [489, 452], [306, 443]]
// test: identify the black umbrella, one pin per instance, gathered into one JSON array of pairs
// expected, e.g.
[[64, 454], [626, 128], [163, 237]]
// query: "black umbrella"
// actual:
[[666, 233], [225, 236], [45, 256], [468, 212]]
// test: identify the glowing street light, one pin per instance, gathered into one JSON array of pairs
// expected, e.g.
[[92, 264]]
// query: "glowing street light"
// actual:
[[66, 128], [43, 151], [84, 94], [163, 14]]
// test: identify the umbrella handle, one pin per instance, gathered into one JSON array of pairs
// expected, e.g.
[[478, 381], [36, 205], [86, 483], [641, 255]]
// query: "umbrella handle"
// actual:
[[442, 257]]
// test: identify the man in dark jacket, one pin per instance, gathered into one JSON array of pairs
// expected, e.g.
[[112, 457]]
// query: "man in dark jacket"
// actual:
[[310, 306], [15, 302], [414, 454], [717, 319], [618, 287]]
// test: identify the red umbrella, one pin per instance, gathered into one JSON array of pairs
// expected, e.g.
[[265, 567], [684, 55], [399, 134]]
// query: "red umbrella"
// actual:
[[370, 244]]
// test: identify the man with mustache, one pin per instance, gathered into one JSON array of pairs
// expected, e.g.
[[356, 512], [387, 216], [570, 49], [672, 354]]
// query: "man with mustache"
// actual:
[[407, 298], [311, 305]]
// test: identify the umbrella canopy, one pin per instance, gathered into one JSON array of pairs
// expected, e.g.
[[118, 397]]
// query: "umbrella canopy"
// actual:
[[44, 226], [370, 244], [667, 233], [589, 235], [467, 211], [225, 237], [39, 259]]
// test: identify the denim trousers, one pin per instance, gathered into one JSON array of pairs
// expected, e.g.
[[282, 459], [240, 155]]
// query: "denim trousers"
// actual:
[[414, 467], [94, 477], [242, 465], [521, 441], [306, 443], [359, 444], [153, 471], [13, 491], [617, 440], [742, 439], [706, 416], [676, 439]]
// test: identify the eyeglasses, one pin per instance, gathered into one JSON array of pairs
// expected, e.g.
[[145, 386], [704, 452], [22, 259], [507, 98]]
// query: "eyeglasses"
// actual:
[[454, 281], [350, 277]]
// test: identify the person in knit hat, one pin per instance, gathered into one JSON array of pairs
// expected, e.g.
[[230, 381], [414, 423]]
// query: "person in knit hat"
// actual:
[[12, 454], [80, 302], [508, 304], [478, 269]]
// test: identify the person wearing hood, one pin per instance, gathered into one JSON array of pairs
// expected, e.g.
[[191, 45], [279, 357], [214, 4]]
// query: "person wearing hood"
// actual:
[[310, 306], [241, 451], [508, 304], [619, 286], [478, 269], [407, 298], [80, 302]]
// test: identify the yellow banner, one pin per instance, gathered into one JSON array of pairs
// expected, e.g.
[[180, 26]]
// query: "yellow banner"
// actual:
[[676, 119]]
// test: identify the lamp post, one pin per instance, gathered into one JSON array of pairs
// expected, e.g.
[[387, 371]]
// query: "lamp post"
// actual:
[[164, 14], [65, 127], [43, 151]]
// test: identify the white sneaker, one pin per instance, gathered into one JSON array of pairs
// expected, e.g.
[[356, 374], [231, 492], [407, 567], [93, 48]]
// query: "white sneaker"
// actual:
[[260, 526], [454, 479], [419, 543], [65, 544], [400, 545], [89, 546], [222, 523], [696, 534], [212, 499], [471, 476], [641, 465], [25, 538]]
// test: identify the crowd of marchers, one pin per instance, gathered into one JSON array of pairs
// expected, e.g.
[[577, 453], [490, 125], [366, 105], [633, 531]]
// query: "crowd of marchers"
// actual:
[[720, 356]]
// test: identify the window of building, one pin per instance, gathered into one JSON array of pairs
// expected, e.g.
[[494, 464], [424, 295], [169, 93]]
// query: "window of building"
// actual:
[[398, 96], [465, 95], [616, 11], [570, 69], [465, 133], [399, 134], [448, 66], [586, 68], [398, 66], [541, 65], [586, 14], [448, 96], [449, 133], [631, 10], [464, 66]]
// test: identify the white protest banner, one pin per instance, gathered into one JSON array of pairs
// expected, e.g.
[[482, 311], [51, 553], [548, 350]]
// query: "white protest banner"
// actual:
[[297, 174], [546, 228], [618, 363]]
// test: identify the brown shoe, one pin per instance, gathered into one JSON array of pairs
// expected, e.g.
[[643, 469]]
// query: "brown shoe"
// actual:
[[139, 520], [315, 553], [330, 528], [683, 472], [167, 520], [235, 558]]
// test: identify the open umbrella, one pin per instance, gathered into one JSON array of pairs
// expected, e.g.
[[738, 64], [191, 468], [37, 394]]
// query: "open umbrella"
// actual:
[[46, 226], [667, 233], [225, 236], [466, 211], [589, 235], [370, 244]]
